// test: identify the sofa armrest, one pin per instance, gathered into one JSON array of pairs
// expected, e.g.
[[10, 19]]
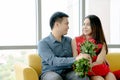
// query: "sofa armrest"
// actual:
[[24, 72]]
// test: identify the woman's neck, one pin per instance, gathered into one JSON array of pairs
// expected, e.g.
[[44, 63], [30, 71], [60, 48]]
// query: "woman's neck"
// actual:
[[88, 37]]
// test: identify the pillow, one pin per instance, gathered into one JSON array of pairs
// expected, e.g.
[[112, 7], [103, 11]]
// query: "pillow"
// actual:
[[117, 74]]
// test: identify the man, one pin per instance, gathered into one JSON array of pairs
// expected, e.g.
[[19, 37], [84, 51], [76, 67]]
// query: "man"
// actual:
[[56, 51]]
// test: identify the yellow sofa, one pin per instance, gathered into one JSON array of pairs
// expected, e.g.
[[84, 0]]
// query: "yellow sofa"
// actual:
[[113, 59], [30, 71], [33, 69]]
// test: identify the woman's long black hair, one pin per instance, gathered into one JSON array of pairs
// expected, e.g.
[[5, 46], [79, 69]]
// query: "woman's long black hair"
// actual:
[[97, 31]]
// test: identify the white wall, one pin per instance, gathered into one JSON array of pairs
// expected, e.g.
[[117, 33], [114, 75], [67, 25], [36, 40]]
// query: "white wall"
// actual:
[[115, 22]]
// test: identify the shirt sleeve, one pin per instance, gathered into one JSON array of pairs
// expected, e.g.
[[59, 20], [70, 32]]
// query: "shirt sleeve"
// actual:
[[48, 56]]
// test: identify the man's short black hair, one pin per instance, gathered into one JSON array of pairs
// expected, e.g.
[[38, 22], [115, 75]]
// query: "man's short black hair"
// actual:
[[57, 16]]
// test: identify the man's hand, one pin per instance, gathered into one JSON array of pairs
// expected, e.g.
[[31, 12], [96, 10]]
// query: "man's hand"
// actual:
[[86, 56]]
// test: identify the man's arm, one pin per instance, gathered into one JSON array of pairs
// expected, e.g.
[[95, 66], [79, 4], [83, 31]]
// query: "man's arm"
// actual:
[[47, 55]]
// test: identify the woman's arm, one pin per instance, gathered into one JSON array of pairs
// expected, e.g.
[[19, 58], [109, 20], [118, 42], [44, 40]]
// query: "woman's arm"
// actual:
[[101, 57], [74, 48]]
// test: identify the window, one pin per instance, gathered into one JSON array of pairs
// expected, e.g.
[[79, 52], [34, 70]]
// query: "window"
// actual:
[[71, 7], [17, 22], [18, 34], [7, 60]]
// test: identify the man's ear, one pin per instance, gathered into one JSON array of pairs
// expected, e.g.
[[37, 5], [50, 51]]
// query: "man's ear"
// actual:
[[56, 24]]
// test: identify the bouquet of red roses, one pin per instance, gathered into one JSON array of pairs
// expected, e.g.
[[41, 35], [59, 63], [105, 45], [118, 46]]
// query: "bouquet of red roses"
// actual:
[[82, 66]]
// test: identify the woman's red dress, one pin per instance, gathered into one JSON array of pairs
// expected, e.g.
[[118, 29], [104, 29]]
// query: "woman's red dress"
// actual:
[[101, 69]]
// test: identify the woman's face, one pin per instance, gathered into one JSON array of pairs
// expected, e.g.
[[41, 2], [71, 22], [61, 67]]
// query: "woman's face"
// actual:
[[87, 31]]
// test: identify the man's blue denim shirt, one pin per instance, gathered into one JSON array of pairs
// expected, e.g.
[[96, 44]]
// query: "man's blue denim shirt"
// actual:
[[56, 56]]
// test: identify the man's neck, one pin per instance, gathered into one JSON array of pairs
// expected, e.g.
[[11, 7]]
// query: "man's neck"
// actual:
[[57, 36]]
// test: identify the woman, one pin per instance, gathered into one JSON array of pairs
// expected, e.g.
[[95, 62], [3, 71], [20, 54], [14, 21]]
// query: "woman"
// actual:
[[92, 31]]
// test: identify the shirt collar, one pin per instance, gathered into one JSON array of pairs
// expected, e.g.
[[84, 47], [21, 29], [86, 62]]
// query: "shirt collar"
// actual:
[[53, 38]]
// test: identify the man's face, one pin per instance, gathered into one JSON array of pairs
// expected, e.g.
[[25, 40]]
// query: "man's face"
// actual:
[[63, 26]]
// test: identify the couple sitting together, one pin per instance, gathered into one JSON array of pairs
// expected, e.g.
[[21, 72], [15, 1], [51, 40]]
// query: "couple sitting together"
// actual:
[[59, 52]]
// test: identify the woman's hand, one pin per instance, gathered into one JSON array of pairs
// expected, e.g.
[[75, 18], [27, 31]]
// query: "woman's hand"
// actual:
[[81, 55]]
